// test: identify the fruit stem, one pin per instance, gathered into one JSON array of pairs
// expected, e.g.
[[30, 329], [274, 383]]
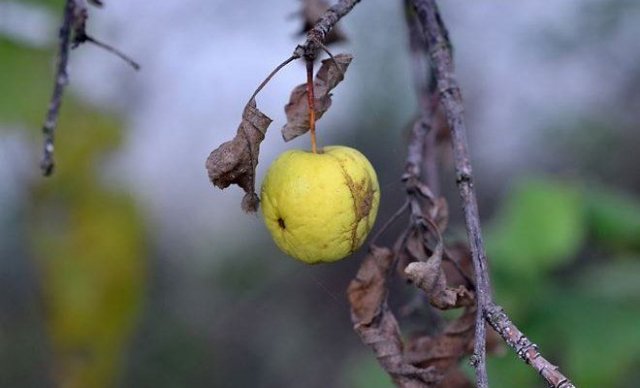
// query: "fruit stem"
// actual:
[[310, 102]]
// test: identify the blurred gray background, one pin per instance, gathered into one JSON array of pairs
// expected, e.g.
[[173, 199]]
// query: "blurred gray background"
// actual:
[[196, 294]]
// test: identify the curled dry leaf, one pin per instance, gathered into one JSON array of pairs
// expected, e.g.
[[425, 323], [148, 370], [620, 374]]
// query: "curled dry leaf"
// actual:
[[428, 274], [235, 161], [433, 282], [297, 110], [430, 277]]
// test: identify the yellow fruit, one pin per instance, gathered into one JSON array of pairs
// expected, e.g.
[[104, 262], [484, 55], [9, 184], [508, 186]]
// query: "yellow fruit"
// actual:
[[320, 207]]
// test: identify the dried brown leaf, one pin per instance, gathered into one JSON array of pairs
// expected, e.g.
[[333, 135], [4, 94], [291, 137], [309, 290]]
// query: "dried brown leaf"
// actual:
[[376, 325], [383, 336], [429, 276], [440, 213], [367, 290], [402, 256], [415, 246], [455, 378], [458, 267], [235, 161], [328, 77], [445, 350]]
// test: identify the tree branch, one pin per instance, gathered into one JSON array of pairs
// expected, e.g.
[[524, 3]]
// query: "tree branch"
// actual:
[[321, 29], [72, 34], [61, 81], [524, 348]]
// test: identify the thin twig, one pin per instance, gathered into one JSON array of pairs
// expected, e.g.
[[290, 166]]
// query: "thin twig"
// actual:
[[319, 32], [273, 73], [87, 38], [389, 222], [326, 50], [524, 348], [61, 81]]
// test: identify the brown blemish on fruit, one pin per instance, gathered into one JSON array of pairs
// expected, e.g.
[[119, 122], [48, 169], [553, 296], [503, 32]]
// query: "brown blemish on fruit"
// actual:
[[366, 199], [362, 194], [281, 223]]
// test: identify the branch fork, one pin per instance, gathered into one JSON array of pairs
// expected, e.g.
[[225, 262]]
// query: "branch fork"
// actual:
[[72, 33]]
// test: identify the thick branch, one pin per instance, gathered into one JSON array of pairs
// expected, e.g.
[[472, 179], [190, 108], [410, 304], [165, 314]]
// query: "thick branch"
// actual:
[[438, 46], [319, 32], [525, 349]]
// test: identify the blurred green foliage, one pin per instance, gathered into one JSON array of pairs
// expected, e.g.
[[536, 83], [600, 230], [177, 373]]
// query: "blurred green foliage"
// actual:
[[87, 239], [541, 224], [365, 372], [24, 73], [89, 245], [577, 297], [615, 219], [52, 4]]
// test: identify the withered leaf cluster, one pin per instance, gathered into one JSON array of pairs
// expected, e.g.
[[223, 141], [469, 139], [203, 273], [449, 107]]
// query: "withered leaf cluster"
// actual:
[[235, 161], [430, 358], [330, 74], [375, 323]]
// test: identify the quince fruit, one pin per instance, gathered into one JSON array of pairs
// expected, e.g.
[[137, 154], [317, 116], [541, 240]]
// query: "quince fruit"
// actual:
[[319, 207]]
